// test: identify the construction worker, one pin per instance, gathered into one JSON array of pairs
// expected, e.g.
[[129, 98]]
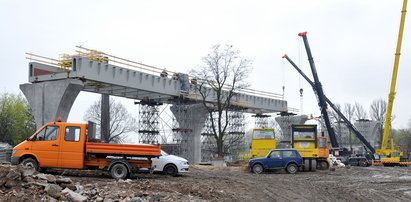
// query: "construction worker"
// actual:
[[164, 74]]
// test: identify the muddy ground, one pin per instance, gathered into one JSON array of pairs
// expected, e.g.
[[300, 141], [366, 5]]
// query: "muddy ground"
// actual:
[[206, 183]]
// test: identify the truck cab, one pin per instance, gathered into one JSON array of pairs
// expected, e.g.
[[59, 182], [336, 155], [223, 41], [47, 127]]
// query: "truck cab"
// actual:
[[56, 144]]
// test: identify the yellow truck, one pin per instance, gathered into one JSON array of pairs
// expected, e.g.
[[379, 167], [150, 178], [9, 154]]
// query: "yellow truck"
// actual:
[[312, 148], [263, 140]]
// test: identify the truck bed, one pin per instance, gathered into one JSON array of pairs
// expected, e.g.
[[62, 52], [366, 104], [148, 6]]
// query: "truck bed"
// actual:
[[123, 149]]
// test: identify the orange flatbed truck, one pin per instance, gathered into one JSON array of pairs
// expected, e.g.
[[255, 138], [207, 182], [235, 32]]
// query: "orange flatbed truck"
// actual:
[[66, 145]]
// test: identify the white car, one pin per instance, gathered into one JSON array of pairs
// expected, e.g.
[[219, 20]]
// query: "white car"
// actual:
[[170, 164]]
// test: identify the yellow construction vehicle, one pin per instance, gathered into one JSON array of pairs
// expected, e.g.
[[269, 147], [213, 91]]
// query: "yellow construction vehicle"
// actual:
[[263, 140], [392, 156], [312, 148]]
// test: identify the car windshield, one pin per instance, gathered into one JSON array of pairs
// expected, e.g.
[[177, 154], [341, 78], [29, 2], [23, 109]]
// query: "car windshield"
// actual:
[[163, 153]]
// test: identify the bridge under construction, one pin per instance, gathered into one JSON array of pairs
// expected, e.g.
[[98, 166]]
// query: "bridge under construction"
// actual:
[[55, 83]]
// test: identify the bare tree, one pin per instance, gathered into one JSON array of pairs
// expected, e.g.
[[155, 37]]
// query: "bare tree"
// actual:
[[349, 113], [359, 111], [338, 123], [221, 76], [121, 122], [378, 109]]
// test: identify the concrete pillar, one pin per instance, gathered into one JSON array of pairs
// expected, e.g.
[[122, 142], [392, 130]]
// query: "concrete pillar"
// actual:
[[194, 119], [369, 129], [105, 117], [285, 123], [51, 99]]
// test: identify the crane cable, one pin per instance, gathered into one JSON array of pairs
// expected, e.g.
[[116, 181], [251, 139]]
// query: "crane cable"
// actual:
[[283, 76]]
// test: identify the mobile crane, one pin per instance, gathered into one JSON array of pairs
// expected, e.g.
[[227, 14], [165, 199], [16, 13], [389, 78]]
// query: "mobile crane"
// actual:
[[361, 161], [391, 156], [322, 102]]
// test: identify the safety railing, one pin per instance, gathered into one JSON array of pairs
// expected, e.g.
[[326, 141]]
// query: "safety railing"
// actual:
[[65, 63]]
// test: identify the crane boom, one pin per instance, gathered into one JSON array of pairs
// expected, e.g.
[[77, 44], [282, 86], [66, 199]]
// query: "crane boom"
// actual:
[[347, 122], [319, 91], [391, 95]]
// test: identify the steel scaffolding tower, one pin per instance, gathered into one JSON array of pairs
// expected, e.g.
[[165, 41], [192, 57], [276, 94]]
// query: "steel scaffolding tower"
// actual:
[[233, 140], [208, 142], [148, 124], [261, 120]]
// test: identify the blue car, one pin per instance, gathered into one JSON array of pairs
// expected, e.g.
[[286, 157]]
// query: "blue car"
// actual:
[[288, 159]]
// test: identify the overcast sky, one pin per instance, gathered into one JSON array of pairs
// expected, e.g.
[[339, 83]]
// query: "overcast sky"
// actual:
[[353, 42]]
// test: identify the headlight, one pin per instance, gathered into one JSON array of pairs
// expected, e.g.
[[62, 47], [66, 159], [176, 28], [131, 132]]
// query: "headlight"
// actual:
[[184, 162], [14, 151]]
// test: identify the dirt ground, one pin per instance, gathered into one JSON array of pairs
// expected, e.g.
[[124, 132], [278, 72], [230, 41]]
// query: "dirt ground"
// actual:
[[206, 183]]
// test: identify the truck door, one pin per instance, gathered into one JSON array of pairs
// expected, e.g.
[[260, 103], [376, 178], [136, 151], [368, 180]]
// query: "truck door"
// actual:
[[45, 145], [72, 147], [274, 160]]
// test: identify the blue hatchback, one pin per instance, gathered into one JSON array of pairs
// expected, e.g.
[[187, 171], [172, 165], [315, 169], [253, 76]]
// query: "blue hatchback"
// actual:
[[289, 159]]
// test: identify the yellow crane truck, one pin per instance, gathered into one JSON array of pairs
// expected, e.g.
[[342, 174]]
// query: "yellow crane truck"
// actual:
[[313, 148]]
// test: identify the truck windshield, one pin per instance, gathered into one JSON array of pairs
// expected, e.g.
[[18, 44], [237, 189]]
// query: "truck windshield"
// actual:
[[263, 134], [300, 134]]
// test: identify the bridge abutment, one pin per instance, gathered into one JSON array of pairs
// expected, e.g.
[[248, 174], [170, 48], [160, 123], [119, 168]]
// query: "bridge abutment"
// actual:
[[51, 99]]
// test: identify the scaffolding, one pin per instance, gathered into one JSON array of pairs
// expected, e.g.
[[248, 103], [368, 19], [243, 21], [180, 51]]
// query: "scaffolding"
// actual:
[[234, 140], [148, 124], [261, 120], [208, 142]]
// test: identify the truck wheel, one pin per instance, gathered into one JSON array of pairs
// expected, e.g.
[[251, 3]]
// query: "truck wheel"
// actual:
[[291, 168], [258, 169], [362, 163], [170, 170], [322, 165], [306, 165], [313, 165], [30, 163], [119, 171]]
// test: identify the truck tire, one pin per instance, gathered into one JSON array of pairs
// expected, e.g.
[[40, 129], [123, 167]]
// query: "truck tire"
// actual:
[[119, 171], [258, 168], [322, 165], [362, 163], [306, 165], [313, 165], [30, 163], [170, 169], [291, 168]]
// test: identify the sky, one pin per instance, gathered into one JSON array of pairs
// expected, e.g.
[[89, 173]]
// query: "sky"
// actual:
[[353, 43]]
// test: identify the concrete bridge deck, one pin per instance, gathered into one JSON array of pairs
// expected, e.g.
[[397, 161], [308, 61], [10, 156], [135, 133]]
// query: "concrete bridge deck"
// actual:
[[104, 78]]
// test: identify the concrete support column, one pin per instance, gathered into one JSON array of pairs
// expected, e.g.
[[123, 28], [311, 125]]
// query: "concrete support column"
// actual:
[[285, 123], [197, 115], [51, 99], [105, 117]]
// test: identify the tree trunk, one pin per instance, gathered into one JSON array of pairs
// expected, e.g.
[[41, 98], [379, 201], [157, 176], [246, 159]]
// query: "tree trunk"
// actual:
[[220, 144]]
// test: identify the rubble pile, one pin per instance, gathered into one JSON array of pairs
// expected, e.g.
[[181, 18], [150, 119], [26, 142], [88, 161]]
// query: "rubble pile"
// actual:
[[23, 184]]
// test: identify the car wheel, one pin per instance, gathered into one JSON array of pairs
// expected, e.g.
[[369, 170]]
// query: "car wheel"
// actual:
[[30, 163], [291, 168], [119, 171], [258, 168], [170, 170]]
